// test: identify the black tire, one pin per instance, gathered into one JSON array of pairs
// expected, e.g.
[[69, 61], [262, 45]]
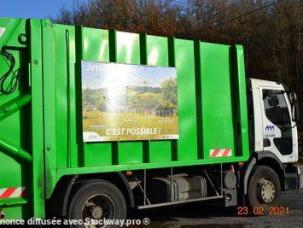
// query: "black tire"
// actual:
[[93, 195], [263, 178]]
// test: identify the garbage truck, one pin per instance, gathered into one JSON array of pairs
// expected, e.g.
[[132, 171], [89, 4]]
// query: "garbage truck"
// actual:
[[95, 123]]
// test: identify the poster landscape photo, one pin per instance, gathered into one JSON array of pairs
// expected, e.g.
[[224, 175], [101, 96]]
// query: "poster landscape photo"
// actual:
[[128, 102]]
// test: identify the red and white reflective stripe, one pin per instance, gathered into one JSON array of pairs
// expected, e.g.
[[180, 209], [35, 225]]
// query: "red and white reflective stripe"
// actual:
[[215, 153], [12, 192]]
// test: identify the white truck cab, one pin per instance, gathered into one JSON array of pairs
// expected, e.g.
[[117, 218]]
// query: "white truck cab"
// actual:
[[274, 117]]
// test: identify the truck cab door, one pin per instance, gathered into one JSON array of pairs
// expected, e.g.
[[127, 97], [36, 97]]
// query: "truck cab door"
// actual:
[[279, 131]]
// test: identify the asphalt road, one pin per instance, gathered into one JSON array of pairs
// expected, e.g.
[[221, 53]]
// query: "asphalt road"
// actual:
[[199, 215]]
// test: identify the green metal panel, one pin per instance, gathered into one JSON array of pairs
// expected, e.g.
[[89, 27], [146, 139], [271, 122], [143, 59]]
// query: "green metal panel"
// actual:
[[49, 85], [217, 116], [128, 51], [95, 47], [36, 69], [65, 96], [187, 101], [212, 107], [241, 101], [60, 94], [127, 47], [157, 55]]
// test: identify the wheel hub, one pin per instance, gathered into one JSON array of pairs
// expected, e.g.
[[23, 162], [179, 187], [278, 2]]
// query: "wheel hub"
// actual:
[[97, 212], [97, 207], [266, 191]]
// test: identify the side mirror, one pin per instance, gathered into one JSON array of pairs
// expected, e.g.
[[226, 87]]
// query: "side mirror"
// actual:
[[294, 106]]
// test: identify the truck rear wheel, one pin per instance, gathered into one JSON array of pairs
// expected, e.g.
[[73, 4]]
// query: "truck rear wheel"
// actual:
[[97, 200], [264, 187]]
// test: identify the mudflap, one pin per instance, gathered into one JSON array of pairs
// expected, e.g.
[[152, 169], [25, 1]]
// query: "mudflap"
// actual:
[[294, 178]]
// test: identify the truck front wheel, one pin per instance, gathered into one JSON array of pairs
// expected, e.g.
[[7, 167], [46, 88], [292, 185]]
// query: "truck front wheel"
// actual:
[[95, 201], [264, 187]]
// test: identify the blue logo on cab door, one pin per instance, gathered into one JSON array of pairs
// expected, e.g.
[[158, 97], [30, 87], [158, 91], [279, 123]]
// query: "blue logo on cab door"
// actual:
[[269, 131], [270, 128]]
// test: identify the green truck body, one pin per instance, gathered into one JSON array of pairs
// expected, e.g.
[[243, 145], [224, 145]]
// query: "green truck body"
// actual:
[[41, 121]]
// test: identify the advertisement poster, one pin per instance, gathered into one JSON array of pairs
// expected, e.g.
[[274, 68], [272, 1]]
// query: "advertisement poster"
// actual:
[[128, 102]]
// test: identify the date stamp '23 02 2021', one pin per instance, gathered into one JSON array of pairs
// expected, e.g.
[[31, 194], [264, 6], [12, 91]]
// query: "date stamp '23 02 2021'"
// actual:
[[260, 211]]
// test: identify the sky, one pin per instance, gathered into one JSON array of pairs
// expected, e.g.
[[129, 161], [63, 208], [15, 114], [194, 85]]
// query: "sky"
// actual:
[[33, 8]]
